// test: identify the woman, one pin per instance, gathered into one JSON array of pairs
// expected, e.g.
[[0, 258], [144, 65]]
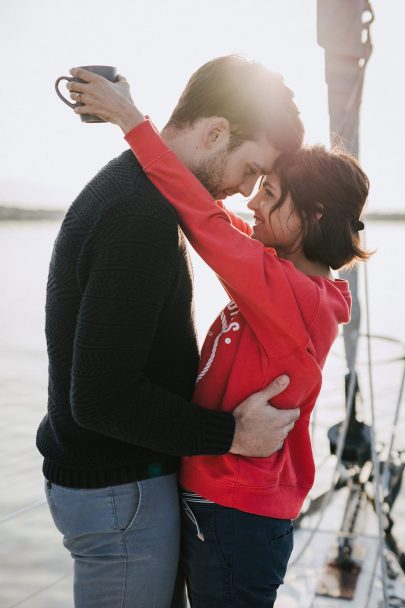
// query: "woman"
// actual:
[[282, 319]]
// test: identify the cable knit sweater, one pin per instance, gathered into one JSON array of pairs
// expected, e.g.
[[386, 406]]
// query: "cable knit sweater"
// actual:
[[121, 340]]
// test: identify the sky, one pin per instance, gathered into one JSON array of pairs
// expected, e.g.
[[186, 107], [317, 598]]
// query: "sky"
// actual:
[[47, 155]]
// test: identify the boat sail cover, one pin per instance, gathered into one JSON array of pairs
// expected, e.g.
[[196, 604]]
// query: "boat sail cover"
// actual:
[[343, 31]]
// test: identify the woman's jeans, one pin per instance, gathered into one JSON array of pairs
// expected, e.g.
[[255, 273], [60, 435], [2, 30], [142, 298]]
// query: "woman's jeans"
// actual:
[[124, 541], [233, 559]]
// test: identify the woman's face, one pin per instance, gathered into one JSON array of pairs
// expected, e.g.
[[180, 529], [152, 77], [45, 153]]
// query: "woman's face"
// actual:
[[280, 229]]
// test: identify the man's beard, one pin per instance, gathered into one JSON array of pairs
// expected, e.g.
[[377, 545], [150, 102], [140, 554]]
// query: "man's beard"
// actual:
[[211, 172]]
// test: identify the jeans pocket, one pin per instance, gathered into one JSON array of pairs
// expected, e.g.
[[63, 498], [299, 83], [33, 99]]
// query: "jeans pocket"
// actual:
[[282, 532], [281, 546], [208, 573], [77, 512], [213, 525], [189, 513], [127, 503]]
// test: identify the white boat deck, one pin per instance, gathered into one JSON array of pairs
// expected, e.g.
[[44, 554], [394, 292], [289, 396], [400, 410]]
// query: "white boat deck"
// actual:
[[36, 570]]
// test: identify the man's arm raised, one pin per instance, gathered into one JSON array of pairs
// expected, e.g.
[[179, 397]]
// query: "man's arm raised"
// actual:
[[260, 429]]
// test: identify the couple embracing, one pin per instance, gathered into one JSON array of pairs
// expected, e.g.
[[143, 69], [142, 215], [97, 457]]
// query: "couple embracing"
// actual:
[[162, 464]]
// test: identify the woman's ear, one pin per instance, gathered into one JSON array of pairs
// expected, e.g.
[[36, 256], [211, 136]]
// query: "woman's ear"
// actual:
[[319, 212], [216, 133]]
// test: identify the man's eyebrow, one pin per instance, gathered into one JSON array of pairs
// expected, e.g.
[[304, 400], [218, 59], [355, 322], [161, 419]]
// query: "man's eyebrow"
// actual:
[[260, 169]]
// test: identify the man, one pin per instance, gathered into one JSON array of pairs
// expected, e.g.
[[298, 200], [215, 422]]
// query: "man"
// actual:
[[122, 347]]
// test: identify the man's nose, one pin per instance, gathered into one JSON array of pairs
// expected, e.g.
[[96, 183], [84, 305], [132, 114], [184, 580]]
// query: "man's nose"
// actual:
[[247, 186], [246, 189]]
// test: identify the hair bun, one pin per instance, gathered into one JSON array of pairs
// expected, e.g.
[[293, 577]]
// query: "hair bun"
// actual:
[[357, 225]]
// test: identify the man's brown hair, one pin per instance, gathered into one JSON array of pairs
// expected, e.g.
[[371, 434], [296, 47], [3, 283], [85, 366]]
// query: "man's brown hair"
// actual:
[[253, 99]]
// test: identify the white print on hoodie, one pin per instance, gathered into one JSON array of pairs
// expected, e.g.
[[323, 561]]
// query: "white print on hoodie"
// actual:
[[234, 326]]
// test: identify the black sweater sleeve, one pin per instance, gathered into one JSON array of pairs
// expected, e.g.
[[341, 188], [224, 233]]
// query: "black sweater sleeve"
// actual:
[[125, 271]]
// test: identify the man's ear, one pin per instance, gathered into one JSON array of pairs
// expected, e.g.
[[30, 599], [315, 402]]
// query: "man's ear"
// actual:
[[216, 133]]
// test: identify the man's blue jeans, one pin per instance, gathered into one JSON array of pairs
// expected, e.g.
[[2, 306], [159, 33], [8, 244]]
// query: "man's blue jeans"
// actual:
[[124, 541]]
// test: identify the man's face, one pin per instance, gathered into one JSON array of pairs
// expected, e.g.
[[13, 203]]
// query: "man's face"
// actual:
[[225, 173]]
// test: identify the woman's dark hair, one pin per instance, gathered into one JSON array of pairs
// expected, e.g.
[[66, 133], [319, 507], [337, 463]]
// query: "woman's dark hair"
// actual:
[[328, 190]]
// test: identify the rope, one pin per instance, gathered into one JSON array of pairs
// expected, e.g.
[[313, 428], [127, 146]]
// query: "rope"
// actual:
[[385, 474], [378, 498]]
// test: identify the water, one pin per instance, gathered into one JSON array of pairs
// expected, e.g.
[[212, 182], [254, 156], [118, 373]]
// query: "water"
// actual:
[[25, 250]]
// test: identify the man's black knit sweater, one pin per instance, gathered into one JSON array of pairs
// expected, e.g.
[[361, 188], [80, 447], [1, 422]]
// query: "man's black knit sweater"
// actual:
[[121, 340]]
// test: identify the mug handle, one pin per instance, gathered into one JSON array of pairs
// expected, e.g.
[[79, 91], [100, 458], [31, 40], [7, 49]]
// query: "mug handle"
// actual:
[[68, 103]]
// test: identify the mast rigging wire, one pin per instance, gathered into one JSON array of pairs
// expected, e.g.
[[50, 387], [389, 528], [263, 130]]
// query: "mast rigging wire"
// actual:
[[377, 478]]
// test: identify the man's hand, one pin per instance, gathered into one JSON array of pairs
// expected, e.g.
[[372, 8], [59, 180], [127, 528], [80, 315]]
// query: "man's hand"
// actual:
[[111, 101], [260, 428]]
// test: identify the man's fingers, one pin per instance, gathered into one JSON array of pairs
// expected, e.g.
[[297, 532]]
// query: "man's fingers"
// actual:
[[276, 387], [291, 416], [289, 427], [285, 431]]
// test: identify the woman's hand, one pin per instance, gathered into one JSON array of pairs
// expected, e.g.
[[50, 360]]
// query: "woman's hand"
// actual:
[[111, 101]]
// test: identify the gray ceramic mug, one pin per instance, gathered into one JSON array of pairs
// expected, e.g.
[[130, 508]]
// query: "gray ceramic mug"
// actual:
[[107, 71]]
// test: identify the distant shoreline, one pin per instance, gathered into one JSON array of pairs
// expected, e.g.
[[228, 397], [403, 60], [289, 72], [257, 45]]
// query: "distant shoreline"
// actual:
[[11, 214]]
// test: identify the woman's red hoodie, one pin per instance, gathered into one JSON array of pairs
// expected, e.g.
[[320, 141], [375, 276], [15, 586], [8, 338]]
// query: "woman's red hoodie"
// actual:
[[279, 321]]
